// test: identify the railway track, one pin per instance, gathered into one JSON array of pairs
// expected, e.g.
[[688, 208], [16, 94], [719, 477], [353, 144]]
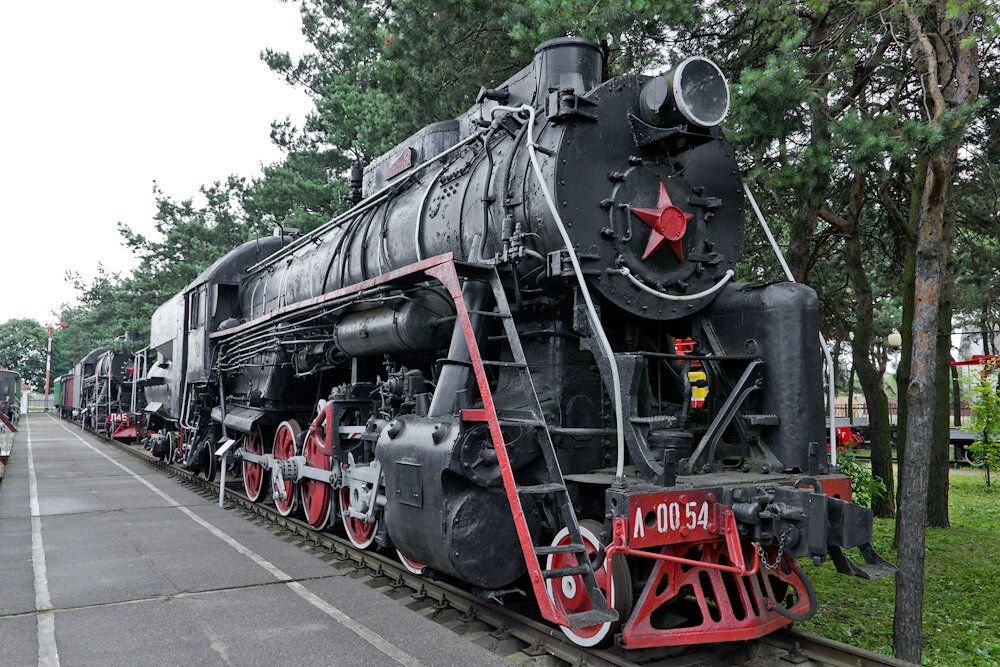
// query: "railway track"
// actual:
[[506, 631]]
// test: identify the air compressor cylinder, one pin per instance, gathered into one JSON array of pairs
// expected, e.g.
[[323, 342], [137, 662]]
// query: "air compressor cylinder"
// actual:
[[423, 322]]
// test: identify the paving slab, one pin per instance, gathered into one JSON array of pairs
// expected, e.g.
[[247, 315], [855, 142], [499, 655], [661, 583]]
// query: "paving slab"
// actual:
[[17, 590], [236, 627], [17, 640], [17, 593]]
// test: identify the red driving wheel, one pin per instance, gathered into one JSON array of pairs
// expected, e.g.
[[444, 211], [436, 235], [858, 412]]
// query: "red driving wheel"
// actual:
[[410, 564], [284, 448], [318, 450], [256, 478], [359, 532], [570, 597]]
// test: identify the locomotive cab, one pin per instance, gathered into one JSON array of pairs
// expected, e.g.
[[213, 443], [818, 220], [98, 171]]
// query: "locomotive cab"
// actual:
[[173, 381]]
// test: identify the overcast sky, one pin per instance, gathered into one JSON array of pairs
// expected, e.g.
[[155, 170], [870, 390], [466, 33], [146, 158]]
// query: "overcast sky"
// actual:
[[99, 99]]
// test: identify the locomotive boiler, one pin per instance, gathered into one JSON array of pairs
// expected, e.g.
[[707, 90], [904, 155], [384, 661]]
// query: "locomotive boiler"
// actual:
[[476, 365]]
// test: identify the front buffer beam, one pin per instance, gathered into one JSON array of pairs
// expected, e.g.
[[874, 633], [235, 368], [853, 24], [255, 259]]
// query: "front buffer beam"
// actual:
[[724, 558]]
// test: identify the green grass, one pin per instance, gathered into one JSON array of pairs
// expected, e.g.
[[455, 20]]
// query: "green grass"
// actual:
[[961, 590]]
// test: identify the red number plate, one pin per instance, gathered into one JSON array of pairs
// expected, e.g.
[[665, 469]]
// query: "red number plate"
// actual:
[[670, 518]]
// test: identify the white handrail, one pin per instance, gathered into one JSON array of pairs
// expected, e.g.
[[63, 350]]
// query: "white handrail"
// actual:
[[674, 297], [595, 321]]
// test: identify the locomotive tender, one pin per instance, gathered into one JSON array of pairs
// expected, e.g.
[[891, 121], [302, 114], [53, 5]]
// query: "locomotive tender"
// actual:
[[476, 366], [74, 396]]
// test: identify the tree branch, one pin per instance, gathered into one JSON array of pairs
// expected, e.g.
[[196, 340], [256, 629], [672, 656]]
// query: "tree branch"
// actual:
[[841, 224], [933, 85]]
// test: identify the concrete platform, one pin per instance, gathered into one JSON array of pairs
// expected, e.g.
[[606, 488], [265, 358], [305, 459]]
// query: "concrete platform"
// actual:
[[104, 561]]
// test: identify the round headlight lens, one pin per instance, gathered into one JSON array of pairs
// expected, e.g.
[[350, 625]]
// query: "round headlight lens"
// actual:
[[701, 92]]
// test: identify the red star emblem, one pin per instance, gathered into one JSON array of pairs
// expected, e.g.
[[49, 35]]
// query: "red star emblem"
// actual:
[[667, 222]]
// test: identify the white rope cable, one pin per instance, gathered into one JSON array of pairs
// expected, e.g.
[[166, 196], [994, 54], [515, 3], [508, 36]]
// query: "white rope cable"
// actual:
[[595, 322], [673, 297], [831, 387]]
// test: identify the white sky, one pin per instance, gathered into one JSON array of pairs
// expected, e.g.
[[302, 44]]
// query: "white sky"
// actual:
[[99, 99]]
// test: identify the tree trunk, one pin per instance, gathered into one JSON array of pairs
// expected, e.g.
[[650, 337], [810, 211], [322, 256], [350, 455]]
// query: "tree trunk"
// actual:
[[951, 62], [878, 433], [802, 226], [868, 374], [928, 283], [937, 487], [836, 365], [906, 331], [850, 391]]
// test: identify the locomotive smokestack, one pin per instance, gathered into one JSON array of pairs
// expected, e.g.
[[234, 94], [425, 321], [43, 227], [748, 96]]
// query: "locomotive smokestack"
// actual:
[[695, 91], [355, 183], [567, 62]]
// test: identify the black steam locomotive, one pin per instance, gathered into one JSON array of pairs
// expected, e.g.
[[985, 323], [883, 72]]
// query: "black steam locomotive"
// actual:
[[476, 366]]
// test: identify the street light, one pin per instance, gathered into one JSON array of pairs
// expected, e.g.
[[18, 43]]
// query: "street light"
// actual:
[[48, 363], [895, 339]]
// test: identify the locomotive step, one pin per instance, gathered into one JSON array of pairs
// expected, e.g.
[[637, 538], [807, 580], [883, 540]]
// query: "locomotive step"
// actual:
[[474, 269], [762, 420], [566, 571], [485, 362], [560, 549], [585, 619], [541, 489]]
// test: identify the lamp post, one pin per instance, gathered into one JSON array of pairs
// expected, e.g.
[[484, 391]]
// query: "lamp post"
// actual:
[[48, 363]]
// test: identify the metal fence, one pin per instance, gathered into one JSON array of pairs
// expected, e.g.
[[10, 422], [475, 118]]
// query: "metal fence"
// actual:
[[35, 402], [859, 411]]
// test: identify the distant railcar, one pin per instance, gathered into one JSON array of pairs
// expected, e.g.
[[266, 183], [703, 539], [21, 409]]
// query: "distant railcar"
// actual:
[[64, 395], [106, 392], [10, 395]]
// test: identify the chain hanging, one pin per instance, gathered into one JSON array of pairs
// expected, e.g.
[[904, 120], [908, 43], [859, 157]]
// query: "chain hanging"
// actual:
[[781, 549]]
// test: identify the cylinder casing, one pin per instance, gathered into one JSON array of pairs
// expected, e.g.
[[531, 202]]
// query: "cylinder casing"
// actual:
[[439, 517]]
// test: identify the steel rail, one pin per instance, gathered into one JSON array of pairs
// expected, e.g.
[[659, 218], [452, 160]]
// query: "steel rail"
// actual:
[[799, 643], [539, 637]]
